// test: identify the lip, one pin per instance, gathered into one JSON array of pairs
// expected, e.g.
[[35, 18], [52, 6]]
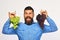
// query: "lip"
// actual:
[[28, 19]]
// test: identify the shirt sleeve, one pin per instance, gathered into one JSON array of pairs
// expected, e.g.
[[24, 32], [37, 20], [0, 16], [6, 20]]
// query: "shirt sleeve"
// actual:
[[51, 27], [6, 29]]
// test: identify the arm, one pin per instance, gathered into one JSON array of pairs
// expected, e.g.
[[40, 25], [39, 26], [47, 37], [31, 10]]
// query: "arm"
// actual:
[[6, 29], [51, 27]]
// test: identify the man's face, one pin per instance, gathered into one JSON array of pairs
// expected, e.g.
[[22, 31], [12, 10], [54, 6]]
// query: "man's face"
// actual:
[[28, 16]]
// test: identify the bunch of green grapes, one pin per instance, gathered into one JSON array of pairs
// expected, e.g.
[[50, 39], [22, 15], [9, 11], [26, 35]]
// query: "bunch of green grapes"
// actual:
[[15, 21]]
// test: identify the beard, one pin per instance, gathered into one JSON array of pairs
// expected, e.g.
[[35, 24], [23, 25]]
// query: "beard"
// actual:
[[28, 22]]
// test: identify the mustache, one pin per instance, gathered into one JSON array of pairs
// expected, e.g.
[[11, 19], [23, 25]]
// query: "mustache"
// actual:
[[28, 17], [30, 22]]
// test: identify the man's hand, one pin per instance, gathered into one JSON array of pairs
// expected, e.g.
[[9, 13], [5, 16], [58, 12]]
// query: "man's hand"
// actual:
[[44, 12], [12, 14]]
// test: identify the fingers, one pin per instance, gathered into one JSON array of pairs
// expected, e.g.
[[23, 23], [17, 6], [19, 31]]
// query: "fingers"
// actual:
[[12, 14], [43, 12]]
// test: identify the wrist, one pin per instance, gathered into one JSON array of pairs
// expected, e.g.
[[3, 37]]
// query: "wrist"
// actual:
[[47, 17]]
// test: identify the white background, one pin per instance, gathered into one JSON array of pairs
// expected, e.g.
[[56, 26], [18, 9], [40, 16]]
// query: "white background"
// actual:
[[52, 6]]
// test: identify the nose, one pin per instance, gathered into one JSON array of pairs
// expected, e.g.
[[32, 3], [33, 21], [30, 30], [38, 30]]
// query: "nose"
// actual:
[[28, 14]]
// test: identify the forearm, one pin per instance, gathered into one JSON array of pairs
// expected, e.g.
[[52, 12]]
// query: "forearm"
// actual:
[[6, 29], [52, 24], [6, 26]]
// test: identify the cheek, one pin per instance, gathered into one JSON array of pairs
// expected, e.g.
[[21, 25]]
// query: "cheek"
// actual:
[[25, 16]]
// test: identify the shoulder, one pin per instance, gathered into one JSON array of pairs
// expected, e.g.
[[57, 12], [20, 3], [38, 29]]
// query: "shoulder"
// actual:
[[20, 23]]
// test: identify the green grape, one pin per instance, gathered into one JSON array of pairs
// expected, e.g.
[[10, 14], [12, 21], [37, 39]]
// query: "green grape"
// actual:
[[15, 21]]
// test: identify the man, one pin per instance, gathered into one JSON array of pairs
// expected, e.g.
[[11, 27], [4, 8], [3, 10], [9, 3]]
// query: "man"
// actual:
[[31, 30]]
